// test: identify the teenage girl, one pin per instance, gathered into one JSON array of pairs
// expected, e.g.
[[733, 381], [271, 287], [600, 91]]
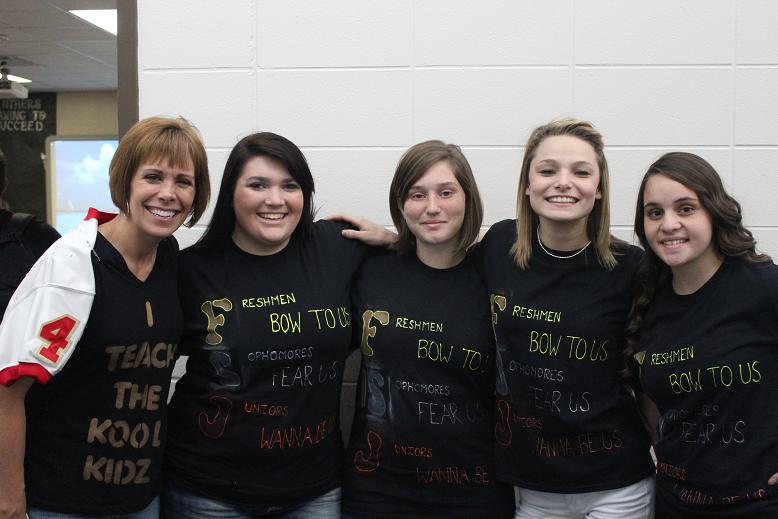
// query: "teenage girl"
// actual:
[[706, 316], [568, 435], [421, 444], [255, 420]]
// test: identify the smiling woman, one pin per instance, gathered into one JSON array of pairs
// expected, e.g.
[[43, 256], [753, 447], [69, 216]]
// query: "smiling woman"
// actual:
[[586, 453], [705, 328], [97, 324], [680, 232], [563, 184], [254, 429], [268, 205]]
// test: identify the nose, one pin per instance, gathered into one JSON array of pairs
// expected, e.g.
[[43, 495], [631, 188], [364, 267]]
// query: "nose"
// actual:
[[167, 190], [274, 196], [433, 207], [669, 222], [563, 179]]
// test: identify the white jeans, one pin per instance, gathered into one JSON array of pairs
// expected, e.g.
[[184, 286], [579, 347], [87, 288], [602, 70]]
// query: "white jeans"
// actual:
[[635, 501]]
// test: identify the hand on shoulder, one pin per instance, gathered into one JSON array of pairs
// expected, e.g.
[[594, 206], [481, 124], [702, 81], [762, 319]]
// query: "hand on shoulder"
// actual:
[[366, 231]]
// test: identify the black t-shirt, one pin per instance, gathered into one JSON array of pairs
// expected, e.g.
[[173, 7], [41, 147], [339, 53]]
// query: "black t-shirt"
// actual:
[[18, 253], [421, 443], [565, 423], [254, 421], [710, 363], [96, 430]]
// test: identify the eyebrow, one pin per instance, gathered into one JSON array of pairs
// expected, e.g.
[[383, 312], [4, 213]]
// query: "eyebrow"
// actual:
[[442, 184], [269, 180], [152, 169], [677, 201], [577, 163]]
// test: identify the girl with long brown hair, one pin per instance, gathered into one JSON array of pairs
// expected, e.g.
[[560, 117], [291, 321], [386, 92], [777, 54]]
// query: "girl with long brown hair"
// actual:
[[704, 326]]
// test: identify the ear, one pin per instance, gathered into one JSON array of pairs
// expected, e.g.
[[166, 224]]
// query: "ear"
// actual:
[[526, 191], [598, 196]]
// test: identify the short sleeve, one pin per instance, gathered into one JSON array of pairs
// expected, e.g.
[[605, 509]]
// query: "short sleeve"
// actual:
[[48, 312], [348, 253]]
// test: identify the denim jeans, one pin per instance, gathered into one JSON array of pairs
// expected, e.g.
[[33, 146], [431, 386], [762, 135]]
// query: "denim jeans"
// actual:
[[179, 504], [150, 512]]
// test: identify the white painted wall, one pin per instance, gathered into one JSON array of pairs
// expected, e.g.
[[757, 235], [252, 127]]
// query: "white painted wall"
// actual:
[[354, 83]]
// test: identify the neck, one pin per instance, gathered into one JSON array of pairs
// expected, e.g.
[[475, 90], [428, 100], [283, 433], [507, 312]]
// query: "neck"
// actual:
[[690, 278], [138, 251], [563, 236], [439, 258]]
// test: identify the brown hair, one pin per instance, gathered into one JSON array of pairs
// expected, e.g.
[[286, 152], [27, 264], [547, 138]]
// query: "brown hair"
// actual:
[[412, 166], [598, 222], [154, 138], [730, 238]]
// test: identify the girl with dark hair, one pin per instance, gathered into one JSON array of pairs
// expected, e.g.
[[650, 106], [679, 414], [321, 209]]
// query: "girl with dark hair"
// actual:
[[254, 421], [568, 435], [421, 443], [705, 328]]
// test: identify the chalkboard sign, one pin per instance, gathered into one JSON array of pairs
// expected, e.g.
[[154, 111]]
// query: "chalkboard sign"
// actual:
[[24, 126]]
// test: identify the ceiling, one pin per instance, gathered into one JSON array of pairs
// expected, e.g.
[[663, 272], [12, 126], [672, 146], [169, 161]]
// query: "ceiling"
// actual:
[[58, 51]]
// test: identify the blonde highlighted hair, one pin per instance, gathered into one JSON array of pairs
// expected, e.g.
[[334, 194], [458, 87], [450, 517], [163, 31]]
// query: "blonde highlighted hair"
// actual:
[[598, 222]]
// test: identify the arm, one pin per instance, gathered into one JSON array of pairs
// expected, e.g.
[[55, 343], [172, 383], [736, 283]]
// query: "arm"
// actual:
[[366, 231], [12, 444]]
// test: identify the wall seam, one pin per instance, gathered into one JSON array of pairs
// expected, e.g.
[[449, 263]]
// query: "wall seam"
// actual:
[[733, 114]]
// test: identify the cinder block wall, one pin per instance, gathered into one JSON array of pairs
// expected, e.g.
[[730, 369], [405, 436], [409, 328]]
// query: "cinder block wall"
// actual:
[[355, 83]]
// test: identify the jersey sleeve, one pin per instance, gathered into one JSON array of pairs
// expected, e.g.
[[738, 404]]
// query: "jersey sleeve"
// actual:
[[48, 312]]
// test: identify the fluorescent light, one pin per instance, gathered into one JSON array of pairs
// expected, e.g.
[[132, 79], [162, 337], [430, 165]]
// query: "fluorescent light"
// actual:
[[103, 18], [18, 79]]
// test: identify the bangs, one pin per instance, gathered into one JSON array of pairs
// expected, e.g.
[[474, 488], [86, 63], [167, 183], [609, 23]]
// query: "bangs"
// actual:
[[172, 146]]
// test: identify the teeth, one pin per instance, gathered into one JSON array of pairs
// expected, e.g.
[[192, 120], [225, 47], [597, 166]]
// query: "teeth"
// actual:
[[673, 242], [271, 216], [562, 199], [164, 213]]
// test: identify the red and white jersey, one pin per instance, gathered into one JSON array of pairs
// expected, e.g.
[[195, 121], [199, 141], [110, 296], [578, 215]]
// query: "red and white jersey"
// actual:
[[48, 312]]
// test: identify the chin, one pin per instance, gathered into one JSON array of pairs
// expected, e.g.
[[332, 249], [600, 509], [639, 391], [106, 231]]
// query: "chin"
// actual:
[[673, 262], [159, 234], [274, 239]]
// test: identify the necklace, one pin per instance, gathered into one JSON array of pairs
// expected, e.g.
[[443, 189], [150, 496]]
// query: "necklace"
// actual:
[[557, 256]]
